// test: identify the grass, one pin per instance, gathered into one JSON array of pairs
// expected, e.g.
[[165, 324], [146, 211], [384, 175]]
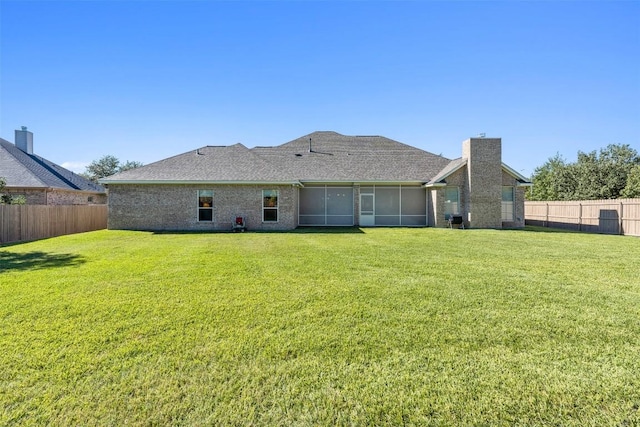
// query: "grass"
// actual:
[[321, 327]]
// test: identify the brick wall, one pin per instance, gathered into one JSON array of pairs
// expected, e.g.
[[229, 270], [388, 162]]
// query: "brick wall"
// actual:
[[47, 196], [484, 175], [175, 207], [33, 197], [62, 197]]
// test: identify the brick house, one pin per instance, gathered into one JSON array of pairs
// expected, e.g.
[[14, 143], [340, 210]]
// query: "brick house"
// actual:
[[321, 179], [41, 181]]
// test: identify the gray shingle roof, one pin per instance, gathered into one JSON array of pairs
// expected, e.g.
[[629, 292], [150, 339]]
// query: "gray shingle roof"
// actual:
[[235, 163], [29, 170], [319, 157]]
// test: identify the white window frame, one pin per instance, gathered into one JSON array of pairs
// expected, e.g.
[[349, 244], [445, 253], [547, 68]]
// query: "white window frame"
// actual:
[[508, 206], [276, 207], [200, 208], [448, 204]]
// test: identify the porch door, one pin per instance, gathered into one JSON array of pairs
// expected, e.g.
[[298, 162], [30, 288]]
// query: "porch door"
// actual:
[[367, 213]]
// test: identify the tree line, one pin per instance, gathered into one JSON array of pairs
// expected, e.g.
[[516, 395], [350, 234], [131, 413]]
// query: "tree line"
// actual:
[[611, 173]]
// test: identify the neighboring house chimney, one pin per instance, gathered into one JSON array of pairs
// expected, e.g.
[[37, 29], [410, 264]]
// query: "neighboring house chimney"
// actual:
[[24, 140], [484, 169]]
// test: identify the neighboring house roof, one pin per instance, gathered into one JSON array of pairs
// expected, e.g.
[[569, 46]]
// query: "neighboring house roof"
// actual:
[[317, 157], [31, 171]]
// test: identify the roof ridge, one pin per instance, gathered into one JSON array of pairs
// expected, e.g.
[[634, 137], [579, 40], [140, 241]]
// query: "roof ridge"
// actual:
[[43, 162]]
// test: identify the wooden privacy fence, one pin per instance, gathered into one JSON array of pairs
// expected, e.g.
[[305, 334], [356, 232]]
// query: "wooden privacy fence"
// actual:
[[31, 222], [616, 216]]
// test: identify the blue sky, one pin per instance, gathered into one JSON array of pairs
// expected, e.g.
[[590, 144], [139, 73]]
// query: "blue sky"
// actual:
[[144, 80]]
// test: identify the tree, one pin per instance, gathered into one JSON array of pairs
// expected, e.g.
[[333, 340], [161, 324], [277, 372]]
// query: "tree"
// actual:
[[4, 198], [594, 175], [129, 164], [8, 199], [632, 189], [106, 166], [547, 179]]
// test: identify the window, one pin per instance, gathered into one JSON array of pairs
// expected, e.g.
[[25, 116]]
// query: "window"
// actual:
[[205, 205], [507, 203], [270, 205], [451, 201]]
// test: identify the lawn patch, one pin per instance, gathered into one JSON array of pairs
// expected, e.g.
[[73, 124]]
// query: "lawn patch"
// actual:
[[375, 327]]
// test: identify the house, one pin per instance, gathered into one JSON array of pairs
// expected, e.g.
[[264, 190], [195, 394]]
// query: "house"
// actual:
[[320, 179], [40, 181]]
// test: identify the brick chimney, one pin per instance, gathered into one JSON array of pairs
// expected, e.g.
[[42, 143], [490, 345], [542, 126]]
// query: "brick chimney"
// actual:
[[484, 173], [24, 140]]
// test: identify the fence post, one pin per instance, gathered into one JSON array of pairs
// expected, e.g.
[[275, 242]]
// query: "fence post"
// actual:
[[580, 216], [546, 218], [620, 221]]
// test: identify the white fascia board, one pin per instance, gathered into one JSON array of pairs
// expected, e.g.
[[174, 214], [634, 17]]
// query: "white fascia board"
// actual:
[[360, 183], [515, 174], [364, 183], [435, 184]]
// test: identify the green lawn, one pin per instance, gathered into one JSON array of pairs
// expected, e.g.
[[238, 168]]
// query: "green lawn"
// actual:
[[325, 327]]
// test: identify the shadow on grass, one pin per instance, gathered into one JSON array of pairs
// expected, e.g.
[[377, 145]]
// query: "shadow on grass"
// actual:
[[299, 230], [37, 260], [540, 229]]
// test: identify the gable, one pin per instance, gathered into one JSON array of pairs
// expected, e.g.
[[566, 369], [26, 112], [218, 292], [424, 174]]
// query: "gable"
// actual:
[[455, 165]]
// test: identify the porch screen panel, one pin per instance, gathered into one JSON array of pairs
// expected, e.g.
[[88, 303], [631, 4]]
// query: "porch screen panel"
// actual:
[[312, 206], [414, 206], [339, 205], [387, 205], [326, 206]]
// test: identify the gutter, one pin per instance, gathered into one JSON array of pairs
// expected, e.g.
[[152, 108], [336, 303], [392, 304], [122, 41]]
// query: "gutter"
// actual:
[[196, 182], [360, 183], [228, 182]]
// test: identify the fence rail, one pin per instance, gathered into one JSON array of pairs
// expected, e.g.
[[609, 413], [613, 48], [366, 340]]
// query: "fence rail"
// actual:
[[617, 216], [31, 222]]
